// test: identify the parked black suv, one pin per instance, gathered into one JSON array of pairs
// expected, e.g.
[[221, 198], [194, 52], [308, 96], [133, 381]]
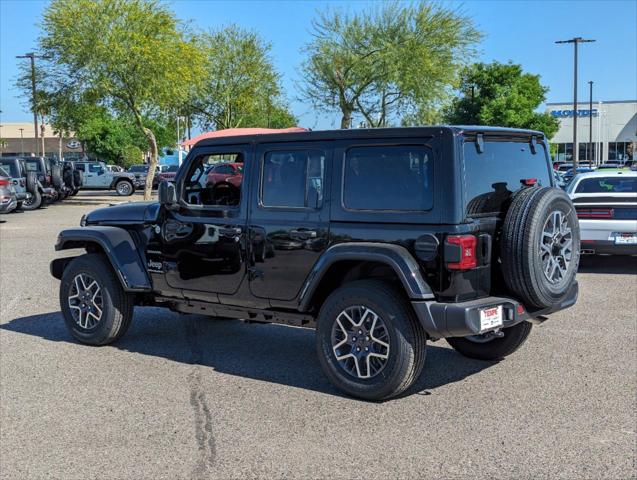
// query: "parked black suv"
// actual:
[[380, 239]]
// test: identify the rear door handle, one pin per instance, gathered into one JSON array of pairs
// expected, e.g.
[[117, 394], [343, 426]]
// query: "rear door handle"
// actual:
[[303, 234]]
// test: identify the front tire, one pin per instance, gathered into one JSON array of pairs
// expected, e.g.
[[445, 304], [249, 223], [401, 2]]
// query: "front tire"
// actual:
[[491, 347], [369, 341], [95, 307]]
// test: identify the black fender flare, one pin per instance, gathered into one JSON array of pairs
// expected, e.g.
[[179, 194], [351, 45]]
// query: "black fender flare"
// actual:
[[395, 256], [118, 246]]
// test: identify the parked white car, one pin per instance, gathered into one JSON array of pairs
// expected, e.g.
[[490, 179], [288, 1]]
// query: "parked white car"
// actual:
[[606, 204]]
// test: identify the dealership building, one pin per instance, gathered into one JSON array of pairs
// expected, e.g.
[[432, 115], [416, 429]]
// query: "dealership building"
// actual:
[[19, 139], [614, 132]]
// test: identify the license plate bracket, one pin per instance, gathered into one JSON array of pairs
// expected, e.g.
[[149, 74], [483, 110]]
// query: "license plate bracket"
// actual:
[[490, 318]]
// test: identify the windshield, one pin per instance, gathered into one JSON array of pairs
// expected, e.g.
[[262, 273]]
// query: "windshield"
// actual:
[[172, 168], [11, 168], [491, 176]]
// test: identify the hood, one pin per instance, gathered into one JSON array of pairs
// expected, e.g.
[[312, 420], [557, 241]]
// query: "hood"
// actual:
[[131, 212]]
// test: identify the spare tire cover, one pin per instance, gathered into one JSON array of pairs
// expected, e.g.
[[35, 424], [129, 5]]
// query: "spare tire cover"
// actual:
[[77, 176], [32, 182], [540, 246], [56, 176], [67, 175]]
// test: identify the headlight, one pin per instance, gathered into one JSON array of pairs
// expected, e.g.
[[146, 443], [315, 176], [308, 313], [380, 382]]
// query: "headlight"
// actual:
[[83, 221]]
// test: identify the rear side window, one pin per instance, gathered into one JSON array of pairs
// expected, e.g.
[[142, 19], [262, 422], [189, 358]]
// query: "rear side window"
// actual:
[[491, 176], [80, 167], [388, 178], [293, 179], [608, 185]]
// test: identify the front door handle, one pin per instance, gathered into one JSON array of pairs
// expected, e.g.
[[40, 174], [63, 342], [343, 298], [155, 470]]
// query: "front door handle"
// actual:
[[303, 234]]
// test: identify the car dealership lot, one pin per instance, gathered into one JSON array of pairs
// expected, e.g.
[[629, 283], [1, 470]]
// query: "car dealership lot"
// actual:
[[183, 396]]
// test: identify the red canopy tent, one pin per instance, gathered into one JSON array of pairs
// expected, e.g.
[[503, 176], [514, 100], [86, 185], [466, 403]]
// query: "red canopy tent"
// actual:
[[233, 132]]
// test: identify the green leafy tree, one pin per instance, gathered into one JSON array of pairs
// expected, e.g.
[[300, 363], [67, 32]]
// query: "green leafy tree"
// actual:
[[134, 55], [501, 94], [387, 63], [241, 86], [130, 155]]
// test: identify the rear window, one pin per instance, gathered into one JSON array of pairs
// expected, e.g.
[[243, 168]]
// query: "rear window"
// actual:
[[607, 185], [11, 168], [33, 166], [388, 178], [493, 175]]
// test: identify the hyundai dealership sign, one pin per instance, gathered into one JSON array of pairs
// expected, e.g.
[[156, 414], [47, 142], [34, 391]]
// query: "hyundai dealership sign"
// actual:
[[569, 113]]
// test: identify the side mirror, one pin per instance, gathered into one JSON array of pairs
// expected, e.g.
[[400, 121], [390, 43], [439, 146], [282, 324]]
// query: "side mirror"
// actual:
[[167, 194]]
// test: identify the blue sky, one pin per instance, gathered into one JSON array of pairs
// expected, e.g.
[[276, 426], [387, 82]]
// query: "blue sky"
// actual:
[[521, 31]]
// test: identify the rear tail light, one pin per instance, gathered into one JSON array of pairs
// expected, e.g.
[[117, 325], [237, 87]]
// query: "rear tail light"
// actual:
[[595, 213], [4, 182], [461, 250]]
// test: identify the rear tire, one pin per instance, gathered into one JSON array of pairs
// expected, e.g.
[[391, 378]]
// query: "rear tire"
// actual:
[[34, 202], [489, 347], [124, 188], [95, 307], [385, 327]]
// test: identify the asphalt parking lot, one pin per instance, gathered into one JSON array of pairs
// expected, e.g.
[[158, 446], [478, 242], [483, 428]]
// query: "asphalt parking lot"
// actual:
[[191, 397]]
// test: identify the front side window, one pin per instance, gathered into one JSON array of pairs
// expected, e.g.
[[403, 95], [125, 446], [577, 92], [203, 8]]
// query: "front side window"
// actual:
[[395, 178], [491, 176], [206, 186], [293, 179]]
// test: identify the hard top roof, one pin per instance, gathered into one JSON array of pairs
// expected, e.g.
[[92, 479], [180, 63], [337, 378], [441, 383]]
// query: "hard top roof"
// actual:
[[368, 133]]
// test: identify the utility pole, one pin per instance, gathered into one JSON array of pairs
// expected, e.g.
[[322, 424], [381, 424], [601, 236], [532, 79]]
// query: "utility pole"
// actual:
[[590, 122], [575, 41], [32, 56], [22, 141]]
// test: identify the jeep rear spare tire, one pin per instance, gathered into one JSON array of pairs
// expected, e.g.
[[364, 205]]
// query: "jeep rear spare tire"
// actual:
[[540, 246], [33, 201]]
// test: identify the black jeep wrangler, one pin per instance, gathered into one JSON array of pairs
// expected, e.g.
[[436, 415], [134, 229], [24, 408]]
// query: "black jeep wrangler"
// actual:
[[380, 239]]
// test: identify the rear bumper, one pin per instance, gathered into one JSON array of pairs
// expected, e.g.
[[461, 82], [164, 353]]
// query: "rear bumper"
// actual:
[[443, 320], [48, 192], [606, 247]]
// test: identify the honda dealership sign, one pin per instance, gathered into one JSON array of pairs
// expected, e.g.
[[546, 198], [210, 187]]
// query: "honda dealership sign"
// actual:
[[569, 113]]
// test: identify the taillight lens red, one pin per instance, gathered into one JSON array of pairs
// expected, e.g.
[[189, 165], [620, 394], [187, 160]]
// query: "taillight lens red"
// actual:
[[595, 213], [4, 182], [468, 257]]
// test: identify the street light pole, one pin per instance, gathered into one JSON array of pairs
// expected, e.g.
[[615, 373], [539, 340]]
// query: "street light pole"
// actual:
[[590, 121], [575, 41], [22, 142]]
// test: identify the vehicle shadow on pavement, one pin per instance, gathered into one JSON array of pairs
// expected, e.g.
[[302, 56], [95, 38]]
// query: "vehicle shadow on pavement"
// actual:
[[270, 353], [614, 264]]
